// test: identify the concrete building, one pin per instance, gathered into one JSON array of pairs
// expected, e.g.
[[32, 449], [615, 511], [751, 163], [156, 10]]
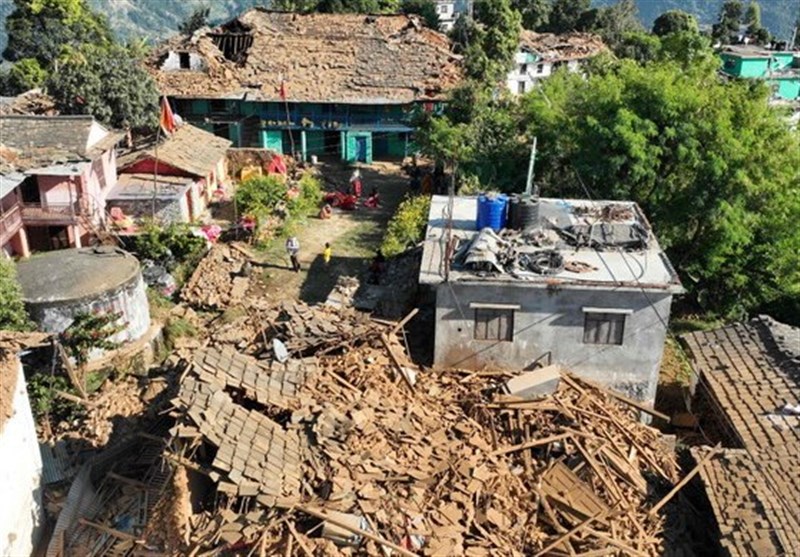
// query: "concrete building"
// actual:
[[190, 165], [540, 54], [780, 69], [586, 286], [335, 85], [21, 511], [59, 285], [450, 10], [67, 165]]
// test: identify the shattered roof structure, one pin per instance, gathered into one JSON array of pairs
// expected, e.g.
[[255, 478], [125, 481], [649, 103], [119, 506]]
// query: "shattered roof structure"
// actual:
[[552, 47], [343, 58], [575, 242], [30, 102], [31, 142], [189, 149], [750, 376]]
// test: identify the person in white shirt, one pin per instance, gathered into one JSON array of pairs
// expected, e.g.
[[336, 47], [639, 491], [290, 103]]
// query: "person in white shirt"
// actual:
[[293, 248]]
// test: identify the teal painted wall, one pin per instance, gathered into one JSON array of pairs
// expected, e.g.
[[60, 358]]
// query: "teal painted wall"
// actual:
[[273, 140], [788, 88], [782, 60], [315, 143], [397, 145], [350, 146], [200, 106]]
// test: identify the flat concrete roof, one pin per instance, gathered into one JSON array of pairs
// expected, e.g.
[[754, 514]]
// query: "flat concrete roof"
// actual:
[[74, 274], [608, 268]]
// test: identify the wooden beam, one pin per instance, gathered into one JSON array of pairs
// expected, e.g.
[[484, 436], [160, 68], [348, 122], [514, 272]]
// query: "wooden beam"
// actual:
[[536, 443], [620, 397], [322, 515], [397, 363], [107, 530], [705, 460], [405, 320], [565, 537]]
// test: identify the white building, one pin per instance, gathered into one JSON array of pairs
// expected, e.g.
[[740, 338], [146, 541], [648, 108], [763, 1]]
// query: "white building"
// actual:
[[449, 10], [540, 54], [21, 463]]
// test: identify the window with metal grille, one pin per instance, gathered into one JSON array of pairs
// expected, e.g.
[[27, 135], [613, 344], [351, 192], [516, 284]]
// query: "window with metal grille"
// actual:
[[494, 324], [603, 328]]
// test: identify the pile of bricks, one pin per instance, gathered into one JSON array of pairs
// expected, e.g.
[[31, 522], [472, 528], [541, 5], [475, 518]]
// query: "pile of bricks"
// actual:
[[219, 280], [421, 462]]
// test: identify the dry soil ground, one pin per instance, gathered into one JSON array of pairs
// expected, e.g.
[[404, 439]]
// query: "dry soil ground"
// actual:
[[354, 237]]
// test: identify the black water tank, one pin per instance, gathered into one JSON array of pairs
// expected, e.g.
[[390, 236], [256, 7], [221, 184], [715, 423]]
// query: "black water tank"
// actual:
[[528, 210], [513, 213]]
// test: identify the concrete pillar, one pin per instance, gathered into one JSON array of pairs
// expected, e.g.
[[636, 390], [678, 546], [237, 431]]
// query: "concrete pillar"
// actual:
[[405, 146], [303, 145], [76, 235], [343, 145], [19, 242]]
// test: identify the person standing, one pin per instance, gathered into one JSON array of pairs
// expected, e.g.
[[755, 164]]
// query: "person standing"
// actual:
[[293, 248], [326, 253]]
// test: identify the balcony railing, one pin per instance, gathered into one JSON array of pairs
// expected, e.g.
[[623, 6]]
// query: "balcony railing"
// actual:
[[10, 223], [50, 211]]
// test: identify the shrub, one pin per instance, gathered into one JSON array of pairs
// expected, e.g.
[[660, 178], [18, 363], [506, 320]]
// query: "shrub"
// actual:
[[162, 243], [44, 400], [309, 198], [90, 331], [12, 310], [260, 195], [407, 226]]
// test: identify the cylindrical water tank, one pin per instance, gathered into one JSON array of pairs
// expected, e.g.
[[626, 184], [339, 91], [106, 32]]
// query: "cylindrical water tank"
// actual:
[[513, 213], [492, 211], [528, 213]]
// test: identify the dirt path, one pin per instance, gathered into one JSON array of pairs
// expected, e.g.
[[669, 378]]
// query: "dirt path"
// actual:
[[354, 237]]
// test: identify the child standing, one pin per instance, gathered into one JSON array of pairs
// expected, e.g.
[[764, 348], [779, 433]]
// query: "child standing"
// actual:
[[326, 254]]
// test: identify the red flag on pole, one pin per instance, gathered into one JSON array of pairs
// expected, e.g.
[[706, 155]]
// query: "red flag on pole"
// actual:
[[167, 119], [282, 90]]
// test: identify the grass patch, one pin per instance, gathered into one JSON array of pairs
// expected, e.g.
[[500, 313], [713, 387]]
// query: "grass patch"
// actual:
[[691, 323], [160, 305], [362, 240]]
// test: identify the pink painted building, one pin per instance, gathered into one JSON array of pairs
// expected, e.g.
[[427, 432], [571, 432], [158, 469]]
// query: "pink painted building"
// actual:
[[174, 180], [67, 166]]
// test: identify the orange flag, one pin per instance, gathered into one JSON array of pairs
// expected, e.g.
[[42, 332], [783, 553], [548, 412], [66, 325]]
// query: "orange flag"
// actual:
[[167, 119]]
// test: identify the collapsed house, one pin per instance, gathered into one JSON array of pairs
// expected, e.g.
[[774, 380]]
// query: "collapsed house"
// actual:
[[541, 54], [337, 85], [749, 396], [583, 284], [320, 437]]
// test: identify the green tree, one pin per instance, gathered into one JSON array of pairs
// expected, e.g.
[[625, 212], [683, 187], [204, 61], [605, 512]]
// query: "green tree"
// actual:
[[197, 20], [535, 13], [674, 21], [90, 331], [12, 310], [407, 226], [642, 47], [108, 83], [423, 8], [464, 32], [727, 26], [617, 21], [26, 74], [565, 15], [40, 29], [490, 55]]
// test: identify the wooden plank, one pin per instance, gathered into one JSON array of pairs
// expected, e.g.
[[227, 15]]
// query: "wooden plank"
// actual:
[[619, 396], [405, 320], [106, 530], [322, 515], [666, 499], [397, 363], [565, 537], [536, 443]]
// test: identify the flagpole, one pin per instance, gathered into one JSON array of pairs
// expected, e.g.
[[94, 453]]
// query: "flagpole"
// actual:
[[155, 171], [288, 118]]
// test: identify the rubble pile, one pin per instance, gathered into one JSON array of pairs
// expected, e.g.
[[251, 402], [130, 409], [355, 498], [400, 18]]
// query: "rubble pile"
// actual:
[[220, 280], [353, 450]]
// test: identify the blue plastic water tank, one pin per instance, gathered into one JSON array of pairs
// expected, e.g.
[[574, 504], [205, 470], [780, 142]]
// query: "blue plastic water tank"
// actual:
[[492, 211]]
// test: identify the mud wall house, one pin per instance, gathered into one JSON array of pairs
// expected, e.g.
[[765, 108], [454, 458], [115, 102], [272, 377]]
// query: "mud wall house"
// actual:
[[176, 177], [780, 69], [541, 54], [331, 85], [21, 513], [748, 398], [69, 166], [586, 286]]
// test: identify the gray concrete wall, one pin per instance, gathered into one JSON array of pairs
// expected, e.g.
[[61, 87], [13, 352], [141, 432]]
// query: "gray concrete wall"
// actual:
[[129, 299], [552, 319]]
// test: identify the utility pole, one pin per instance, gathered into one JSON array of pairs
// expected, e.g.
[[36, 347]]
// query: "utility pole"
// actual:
[[531, 163]]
